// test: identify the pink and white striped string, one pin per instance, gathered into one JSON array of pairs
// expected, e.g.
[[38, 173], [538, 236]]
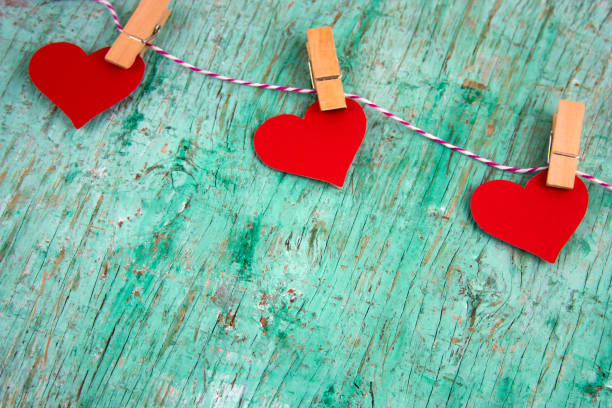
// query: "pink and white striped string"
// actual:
[[358, 98]]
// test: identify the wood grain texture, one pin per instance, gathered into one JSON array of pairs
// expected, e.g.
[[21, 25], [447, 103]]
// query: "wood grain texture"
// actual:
[[325, 68], [565, 144], [150, 259], [141, 27]]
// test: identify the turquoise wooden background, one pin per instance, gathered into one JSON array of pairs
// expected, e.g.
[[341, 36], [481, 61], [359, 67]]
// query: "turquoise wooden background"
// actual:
[[150, 259]]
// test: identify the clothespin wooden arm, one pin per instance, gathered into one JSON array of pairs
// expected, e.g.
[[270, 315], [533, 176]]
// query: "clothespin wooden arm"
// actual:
[[324, 68], [565, 144], [148, 17]]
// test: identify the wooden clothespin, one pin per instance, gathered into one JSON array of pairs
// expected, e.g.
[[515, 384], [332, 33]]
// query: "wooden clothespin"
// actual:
[[148, 18], [324, 68], [564, 148]]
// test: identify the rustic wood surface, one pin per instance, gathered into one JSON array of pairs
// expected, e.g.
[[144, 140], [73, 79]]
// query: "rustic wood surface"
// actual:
[[150, 258]]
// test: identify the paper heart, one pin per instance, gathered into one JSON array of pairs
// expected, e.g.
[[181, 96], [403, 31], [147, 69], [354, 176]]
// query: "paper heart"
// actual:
[[536, 218], [321, 146], [82, 85]]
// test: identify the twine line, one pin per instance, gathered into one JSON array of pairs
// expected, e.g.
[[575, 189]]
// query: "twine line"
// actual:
[[355, 97]]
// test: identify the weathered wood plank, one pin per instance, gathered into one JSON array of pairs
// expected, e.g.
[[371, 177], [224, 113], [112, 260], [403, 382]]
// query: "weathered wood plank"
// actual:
[[150, 259]]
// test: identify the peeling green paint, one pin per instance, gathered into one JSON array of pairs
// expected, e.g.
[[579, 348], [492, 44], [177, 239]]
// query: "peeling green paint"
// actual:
[[151, 259], [129, 125], [242, 249]]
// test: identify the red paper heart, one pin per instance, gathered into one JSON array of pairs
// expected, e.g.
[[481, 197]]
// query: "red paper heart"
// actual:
[[82, 85], [321, 146], [536, 218]]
